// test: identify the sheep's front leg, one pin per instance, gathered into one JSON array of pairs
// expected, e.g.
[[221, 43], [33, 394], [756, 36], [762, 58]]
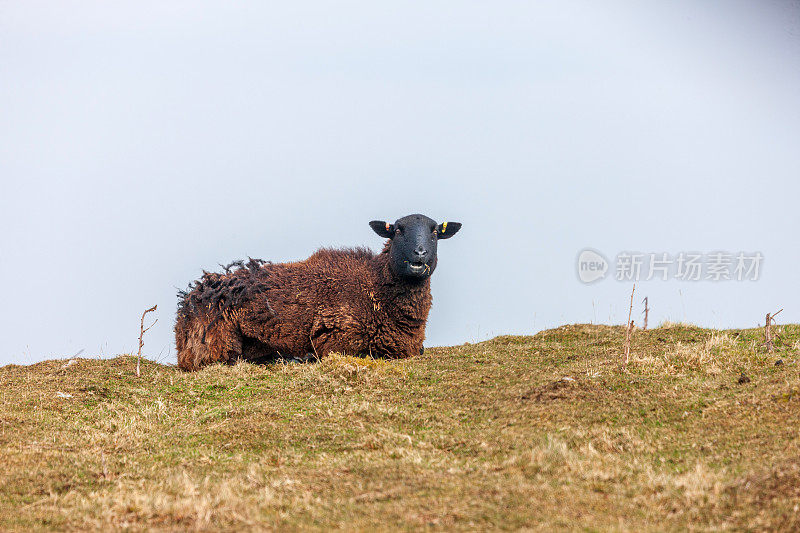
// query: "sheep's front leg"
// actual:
[[309, 357]]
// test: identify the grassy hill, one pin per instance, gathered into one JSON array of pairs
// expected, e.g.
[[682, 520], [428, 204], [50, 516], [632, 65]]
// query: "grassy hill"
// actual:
[[543, 432]]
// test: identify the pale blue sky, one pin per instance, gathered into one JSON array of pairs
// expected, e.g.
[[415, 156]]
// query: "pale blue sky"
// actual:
[[142, 142]]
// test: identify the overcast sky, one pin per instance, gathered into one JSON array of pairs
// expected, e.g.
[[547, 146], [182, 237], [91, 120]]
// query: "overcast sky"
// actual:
[[142, 142]]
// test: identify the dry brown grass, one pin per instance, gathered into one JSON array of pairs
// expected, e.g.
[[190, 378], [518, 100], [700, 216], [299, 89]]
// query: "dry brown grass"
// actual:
[[542, 433]]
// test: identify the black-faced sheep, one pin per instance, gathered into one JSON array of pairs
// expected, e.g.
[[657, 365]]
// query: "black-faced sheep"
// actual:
[[350, 301]]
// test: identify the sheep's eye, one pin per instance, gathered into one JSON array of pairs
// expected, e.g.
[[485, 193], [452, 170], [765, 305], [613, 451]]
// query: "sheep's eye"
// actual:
[[398, 231]]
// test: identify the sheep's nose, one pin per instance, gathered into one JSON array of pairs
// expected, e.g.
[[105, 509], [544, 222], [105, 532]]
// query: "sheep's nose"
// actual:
[[421, 252]]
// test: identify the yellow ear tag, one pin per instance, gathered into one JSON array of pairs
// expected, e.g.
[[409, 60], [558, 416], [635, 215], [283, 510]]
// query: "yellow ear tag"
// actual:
[[444, 227], [388, 226]]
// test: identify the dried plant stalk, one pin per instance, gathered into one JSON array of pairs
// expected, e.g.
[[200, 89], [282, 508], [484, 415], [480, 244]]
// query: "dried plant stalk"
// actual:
[[629, 329], [769, 339], [142, 331]]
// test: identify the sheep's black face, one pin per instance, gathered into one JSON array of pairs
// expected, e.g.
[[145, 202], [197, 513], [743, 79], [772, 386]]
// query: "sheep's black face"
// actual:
[[413, 249]]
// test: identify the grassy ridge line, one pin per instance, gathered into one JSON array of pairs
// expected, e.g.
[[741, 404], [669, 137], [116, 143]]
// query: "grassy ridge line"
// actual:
[[543, 432]]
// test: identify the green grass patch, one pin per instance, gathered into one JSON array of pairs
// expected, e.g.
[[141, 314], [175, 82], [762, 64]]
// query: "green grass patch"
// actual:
[[543, 432]]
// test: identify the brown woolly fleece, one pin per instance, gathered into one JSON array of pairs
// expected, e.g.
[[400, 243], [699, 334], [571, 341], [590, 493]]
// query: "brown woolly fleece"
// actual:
[[345, 301]]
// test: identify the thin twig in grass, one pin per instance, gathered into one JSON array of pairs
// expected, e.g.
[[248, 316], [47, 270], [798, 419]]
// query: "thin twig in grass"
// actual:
[[142, 331], [316, 355], [629, 329], [768, 337]]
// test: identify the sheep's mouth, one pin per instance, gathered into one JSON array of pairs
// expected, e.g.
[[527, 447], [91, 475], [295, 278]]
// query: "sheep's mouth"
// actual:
[[418, 267]]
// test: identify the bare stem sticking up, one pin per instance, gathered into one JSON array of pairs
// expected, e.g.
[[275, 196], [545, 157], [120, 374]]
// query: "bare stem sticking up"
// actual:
[[768, 337], [629, 329], [142, 331]]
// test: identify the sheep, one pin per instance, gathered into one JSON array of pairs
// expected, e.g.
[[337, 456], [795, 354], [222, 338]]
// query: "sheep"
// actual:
[[338, 300]]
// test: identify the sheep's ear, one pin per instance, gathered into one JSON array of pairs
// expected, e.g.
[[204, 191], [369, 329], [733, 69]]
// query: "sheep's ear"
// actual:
[[448, 229], [384, 229]]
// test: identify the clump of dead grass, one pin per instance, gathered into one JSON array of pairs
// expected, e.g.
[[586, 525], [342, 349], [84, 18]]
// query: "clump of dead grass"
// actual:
[[774, 491], [698, 486], [578, 458], [707, 357], [338, 371], [191, 501], [671, 324], [609, 461]]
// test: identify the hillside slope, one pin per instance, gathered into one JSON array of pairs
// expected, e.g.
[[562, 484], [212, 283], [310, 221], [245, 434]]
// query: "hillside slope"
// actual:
[[546, 432]]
